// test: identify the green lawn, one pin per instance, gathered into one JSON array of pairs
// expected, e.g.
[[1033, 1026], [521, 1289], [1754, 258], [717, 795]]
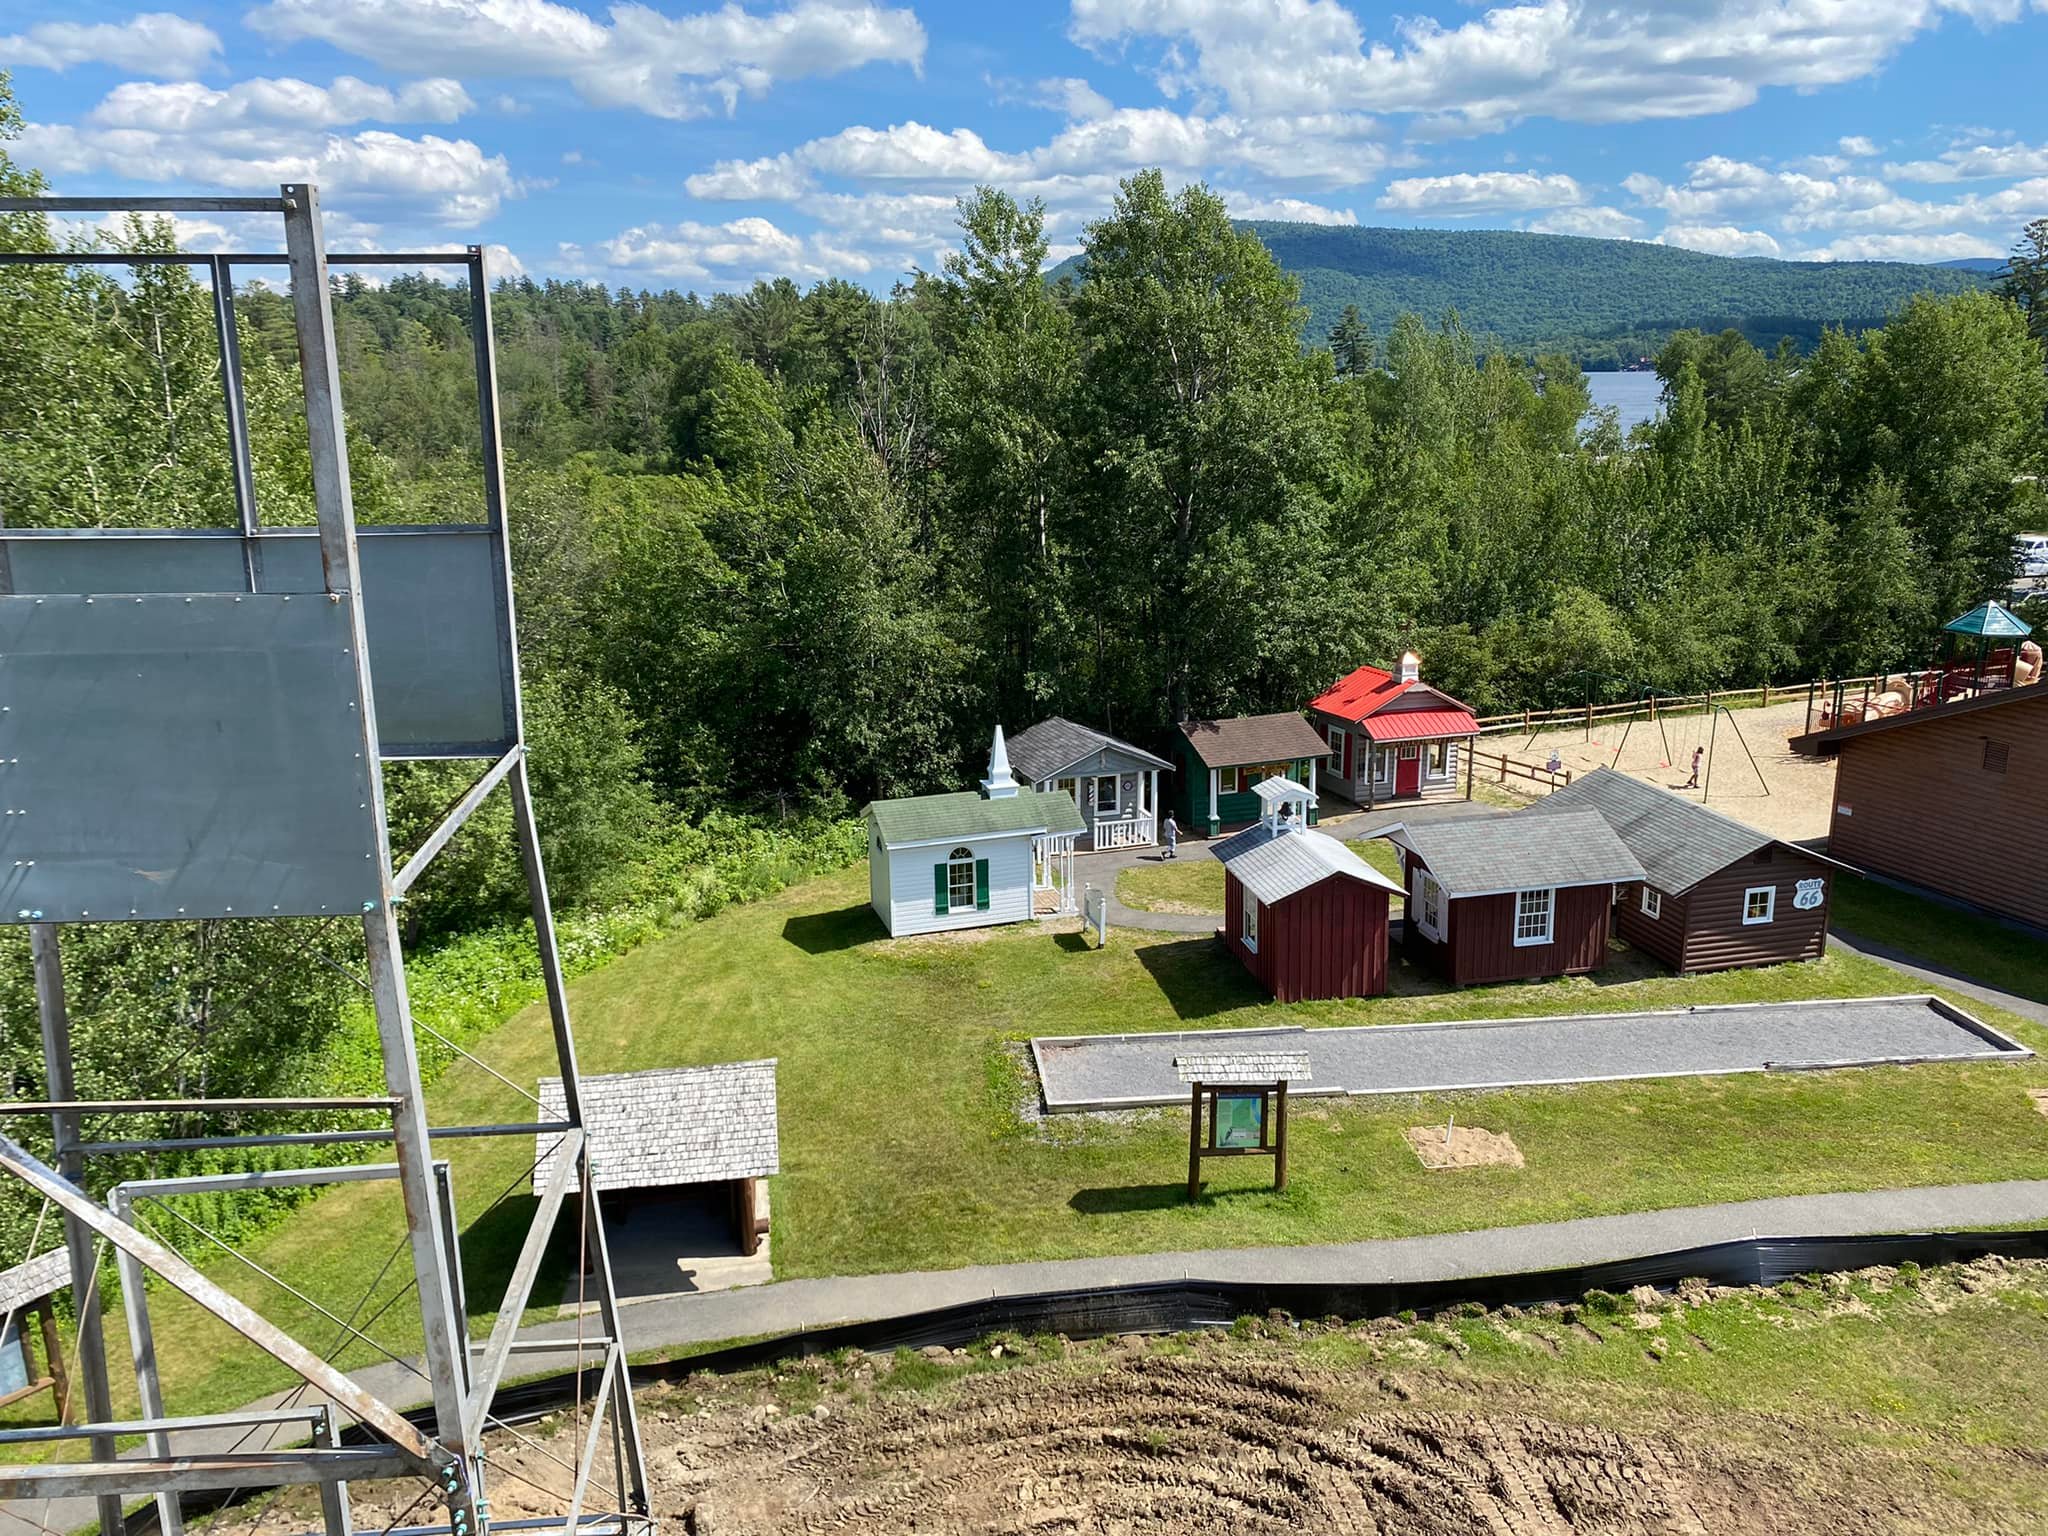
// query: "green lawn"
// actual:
[[902, 1146], [1976, 947], [1194, 883]]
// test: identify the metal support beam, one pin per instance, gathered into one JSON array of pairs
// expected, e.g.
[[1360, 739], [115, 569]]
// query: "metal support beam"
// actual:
[[318, 1138], [491, 1367], [170, 1512], [452, 822], [528, 833], [239, 459], [42, 1432], [266, 1336], [334, 1506], [72, 1107], [91, 1364], [141, 205], [197, 1474], [613, 1365]]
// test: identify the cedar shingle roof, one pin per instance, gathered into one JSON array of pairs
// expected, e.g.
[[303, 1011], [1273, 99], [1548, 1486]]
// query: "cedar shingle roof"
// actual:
[[1242, 1066], [1679, 842], [1254, 739], [965, 814], [34, 1279], [671, 1125], [1275, 865], [1486, 855], [1054, 745]]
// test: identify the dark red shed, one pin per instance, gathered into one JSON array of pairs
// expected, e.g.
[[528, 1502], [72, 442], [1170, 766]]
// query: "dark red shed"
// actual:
[[1305, 914], [1511, 898]]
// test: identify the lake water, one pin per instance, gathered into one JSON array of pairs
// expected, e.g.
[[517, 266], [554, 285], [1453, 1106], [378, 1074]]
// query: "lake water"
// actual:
[[1634, 395]]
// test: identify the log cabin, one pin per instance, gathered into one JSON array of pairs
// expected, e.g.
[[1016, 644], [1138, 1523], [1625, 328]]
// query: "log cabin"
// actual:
[[1715, 894]]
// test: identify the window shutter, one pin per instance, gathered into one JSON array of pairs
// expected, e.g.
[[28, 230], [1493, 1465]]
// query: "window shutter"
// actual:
[[939, 889], [981, 885]]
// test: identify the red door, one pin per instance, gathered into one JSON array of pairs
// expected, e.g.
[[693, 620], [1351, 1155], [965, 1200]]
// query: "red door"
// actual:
[[1408, 770], [1348, 740]]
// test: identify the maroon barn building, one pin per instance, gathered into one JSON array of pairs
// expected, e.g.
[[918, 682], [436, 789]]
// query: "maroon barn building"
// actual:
[[1511, 898], [1305, 914], [1949, 797]]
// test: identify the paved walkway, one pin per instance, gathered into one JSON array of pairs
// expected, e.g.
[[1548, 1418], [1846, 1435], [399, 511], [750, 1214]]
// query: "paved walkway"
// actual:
[[791, 1306], [1120, 1071], [1926, 971], [1337, 817]]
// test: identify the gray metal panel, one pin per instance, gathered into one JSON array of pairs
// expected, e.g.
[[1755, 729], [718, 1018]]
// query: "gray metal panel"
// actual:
[[440, 654], [181, 756]]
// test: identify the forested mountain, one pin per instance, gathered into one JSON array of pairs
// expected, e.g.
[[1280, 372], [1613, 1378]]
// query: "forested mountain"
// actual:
[[1604, 302]]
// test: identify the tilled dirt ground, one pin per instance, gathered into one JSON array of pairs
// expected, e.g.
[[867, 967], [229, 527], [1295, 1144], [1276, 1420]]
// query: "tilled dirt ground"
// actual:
[[1396, 1427]]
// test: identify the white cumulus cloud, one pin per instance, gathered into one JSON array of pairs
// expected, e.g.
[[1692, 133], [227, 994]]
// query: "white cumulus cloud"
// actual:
[[1976, 162], [1949, 247], [1592, 223], [671, 66], [1468, 193], [1720, 240], [1292, 210], [157, 43], [189, 107]]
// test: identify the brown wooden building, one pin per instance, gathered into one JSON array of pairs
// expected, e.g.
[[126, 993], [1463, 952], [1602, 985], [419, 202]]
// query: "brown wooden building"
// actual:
[[1715, 894], [1949, 797], [1510, 898], [1305, 914]]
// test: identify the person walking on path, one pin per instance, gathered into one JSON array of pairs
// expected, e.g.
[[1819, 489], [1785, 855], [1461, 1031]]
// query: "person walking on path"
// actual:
[[1697, 754], [1172, 830]]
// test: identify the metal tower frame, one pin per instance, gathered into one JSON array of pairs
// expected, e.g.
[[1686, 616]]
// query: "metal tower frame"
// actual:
[[440, 616]]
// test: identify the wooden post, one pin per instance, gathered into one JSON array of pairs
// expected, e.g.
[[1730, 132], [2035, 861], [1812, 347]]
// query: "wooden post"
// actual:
[[1767, 693], [1280, 1137], [53, 1361], [1195, 1144], [1470, 753]]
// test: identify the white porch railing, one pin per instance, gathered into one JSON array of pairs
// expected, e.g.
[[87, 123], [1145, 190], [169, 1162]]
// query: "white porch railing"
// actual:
[[1125, 832]]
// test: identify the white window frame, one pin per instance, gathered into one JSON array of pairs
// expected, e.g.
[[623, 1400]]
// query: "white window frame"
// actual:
[[1653, 903], [1249, 924], [956, 861], [1334, 735], [1770, 913], [1529, 941], [1108, 807], [1438, 761], [1429, 904]]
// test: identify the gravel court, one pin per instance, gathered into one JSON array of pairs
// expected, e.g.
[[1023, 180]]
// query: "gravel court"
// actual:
[[1127, 1071]]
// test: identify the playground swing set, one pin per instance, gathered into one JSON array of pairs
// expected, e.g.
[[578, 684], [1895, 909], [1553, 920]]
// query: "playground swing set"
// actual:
[[1714, 711]]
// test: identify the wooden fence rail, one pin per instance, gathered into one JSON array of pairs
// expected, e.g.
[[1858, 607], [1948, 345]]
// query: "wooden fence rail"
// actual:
[[1499, 767], [1532, 720]]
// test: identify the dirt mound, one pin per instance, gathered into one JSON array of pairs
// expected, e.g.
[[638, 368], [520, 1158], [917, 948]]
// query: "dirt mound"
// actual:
[[1184, 1444]]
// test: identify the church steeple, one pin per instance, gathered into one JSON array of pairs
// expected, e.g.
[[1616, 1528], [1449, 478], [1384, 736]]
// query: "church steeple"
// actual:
[[999, 785]]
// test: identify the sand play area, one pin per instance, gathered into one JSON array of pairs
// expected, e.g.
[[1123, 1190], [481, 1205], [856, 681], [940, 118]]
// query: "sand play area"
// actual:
[[1800, 795]]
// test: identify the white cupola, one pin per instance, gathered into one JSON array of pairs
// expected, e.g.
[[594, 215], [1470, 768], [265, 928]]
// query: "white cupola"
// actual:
[[1409, 669], [999, 785], [1283, 804]]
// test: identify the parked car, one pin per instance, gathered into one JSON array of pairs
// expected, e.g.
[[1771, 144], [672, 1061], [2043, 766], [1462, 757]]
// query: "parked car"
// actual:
[[2033, 553]]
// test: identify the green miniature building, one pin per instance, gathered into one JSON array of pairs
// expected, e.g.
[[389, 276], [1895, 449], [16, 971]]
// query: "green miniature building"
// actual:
[[1221, 762]]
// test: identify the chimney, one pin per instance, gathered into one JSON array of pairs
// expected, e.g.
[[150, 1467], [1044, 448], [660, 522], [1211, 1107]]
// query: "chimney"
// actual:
[[999, 785], [1410, 669]]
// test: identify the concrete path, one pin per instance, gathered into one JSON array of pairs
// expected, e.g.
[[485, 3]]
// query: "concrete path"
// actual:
[[791, 1306], [1941, 976]]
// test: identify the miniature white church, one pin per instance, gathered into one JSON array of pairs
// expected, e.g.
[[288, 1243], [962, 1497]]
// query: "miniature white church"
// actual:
[[968, 860]]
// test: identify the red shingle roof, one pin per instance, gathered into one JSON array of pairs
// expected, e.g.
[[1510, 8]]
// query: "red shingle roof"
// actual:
[[1420, 724], [1363, 695]]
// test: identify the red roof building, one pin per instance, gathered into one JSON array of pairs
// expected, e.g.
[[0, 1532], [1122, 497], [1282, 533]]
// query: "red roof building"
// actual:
[[1392, 736]]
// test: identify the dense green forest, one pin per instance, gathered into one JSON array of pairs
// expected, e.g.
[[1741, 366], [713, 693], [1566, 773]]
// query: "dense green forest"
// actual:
[[1606, 303], [780, 551]]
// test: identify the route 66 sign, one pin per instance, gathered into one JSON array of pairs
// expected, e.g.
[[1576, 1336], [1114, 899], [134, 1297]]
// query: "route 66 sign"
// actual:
[[1809, 894]]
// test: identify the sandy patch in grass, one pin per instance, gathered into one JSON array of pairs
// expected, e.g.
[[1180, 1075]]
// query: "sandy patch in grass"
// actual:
[[2040, 1098], [1468, 1147]]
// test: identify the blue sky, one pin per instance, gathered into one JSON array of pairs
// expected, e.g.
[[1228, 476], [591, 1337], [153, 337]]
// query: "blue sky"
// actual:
[[673, 143]]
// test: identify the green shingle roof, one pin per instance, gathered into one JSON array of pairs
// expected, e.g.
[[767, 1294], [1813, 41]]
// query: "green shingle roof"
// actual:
[[1992, 620], [927, 818]]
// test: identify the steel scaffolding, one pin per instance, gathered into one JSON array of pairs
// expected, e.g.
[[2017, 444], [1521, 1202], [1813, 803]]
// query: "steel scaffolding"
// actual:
[[307, 837]]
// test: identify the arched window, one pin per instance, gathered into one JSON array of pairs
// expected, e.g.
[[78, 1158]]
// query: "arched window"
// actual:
[[960, 880]]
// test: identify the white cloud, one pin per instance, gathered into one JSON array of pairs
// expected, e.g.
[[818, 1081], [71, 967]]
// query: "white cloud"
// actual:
[[726, 254], [188, 107], [1976, 162], [1573, 59], [156, 43], [500, 262], [671, 66], [1074, 97], [1949, 247], [1293, 210], [1468, 193], [1856, 145], [1719, 192], [451, 181], [1592, 223], [1720, 240]]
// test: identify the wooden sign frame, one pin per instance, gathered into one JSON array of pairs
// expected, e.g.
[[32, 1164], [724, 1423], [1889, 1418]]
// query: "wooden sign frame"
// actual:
[[1203, 1113]]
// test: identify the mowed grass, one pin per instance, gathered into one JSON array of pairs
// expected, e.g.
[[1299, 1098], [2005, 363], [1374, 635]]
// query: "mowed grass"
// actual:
[[1194, 882], [1979, 948], [903, 1147]]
